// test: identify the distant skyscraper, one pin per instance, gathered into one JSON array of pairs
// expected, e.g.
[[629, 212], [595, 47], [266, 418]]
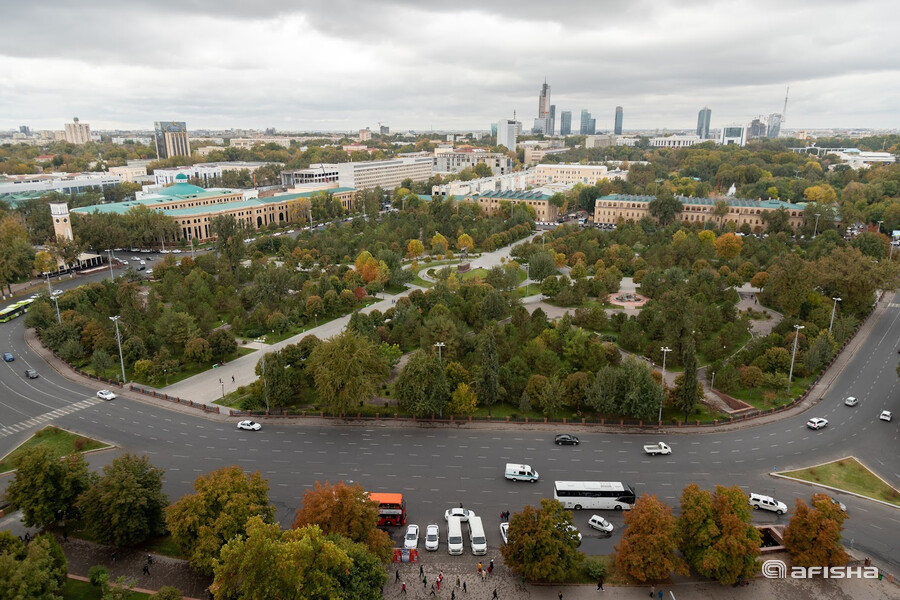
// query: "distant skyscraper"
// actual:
[[384, 129], [774, 126], [619, 116], [588, 125], [78, 133], [544, 101], [171, 139], [506, 133], [703, 123], [565, 122], [494, 129], [25, 129], [757, 129], [552, 128]]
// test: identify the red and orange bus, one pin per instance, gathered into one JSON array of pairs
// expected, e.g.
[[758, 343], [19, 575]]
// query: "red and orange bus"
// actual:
[[391, 508]]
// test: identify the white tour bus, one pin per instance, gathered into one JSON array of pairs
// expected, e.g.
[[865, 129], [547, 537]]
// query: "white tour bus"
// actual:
[[612, 495]]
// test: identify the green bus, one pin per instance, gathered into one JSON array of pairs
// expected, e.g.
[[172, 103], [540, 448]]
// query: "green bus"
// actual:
[[14, 310]]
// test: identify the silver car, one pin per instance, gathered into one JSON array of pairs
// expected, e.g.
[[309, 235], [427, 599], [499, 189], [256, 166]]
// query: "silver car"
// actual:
[[432, 537], [411, 539]]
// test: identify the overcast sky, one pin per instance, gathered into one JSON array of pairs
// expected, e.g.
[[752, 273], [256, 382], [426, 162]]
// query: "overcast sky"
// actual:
[[463, 64]]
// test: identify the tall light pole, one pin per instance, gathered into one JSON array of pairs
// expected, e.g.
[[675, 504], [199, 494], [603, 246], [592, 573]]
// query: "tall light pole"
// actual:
[[833, 309], [439, 345], [665, 350], [527, 276], [265, 384], [794, 355], [816, 229], [109, 258], [49, 288], [191, 240], [56, 302], [115, 320]]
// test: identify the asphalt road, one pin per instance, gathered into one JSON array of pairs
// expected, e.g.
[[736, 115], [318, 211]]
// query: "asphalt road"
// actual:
[[439, 467]]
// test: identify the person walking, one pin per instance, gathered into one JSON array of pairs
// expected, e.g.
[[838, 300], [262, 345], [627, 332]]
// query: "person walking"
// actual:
[[421, 571], [65, 535], [491, 566], [397, 577], [560, 596], [479, 568], [495, 596], [403, 588], [453, 595], [600, 585], [432, 590], [424, 583], [146, 570], [464, 587], [652, 590], [232, 379], [483, 575]]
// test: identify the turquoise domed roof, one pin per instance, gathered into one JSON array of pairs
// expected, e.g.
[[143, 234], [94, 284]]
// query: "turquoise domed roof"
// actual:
[[181, 187]]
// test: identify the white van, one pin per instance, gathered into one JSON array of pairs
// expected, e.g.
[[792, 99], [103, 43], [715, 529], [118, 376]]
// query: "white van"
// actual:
[[476, 536], [516, 472], [454, 536]]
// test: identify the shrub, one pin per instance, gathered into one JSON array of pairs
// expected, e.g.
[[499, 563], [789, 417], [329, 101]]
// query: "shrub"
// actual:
[[98, 575]]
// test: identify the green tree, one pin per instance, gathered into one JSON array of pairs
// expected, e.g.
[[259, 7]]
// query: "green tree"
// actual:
[[197, 349], [414, 248], [45, 488], [221, 344], [422, 385], [542, 546], [344, 510], [125, 505], [101, 361], [648, 550], [229, 234], [487, 384], [37, 572], [697, 529], [202, 522], [463, 401], [541, 265], [551, 399], [348, 369], [665, 207], [17, 258], [813, 537], [686, 399]]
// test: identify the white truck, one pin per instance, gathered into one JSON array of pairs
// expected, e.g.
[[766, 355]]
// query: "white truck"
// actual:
[[515, 472], [767, 503], [660, 448]]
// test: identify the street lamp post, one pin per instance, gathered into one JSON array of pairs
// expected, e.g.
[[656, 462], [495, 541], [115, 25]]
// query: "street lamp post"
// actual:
[[56, 302], [49, 288], [439, 345], [265, 383], [833, 309], [527, 276], [109, 258], [665, 350], [191, 240], [115, 320], [712, 384], [816, 229], [794, 355]]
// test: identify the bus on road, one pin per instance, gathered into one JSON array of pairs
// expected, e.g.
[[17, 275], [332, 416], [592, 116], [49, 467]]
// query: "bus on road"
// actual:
[[391, 508], [14, 310], [609, 495]]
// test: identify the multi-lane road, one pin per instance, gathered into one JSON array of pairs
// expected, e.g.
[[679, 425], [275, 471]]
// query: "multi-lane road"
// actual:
[[441, 466]]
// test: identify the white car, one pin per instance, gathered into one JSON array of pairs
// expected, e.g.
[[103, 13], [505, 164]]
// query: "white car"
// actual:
[[176, 251], [817, 423], [462, 513], [600, 524], [411, 539], [249, 426], [768, 503], [106, 395], [504, 531], [886, 415], [432, 537], [851, 401]]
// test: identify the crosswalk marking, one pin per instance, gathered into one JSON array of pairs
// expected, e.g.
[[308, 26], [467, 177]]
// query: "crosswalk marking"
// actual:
[[893, 305], [47, 417]]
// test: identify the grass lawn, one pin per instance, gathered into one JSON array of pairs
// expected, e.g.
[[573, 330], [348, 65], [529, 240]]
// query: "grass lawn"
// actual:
[[82, 590], [162, 545], [756, 397], [849, 475], [59, 441]]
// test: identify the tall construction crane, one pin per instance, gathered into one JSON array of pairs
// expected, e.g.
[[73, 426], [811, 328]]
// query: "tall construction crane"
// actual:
[[784, 112]]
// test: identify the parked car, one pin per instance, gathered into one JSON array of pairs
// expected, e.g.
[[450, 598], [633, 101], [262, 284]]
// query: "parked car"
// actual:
[[600, 524], [8, 357], [432, 537], [249, 426], [411, 539], [462, 513], [885, 415], [31, 374], [566, 439], [767, 503], [817, 423], [851, 401], [106, 395], [660, 448], [504, 531]]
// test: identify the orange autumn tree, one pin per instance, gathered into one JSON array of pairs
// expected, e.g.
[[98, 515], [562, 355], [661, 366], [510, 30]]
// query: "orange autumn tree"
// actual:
[[813, 537], [648, 550]]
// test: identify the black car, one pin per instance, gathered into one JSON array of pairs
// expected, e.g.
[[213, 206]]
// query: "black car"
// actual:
[[31, 373], [565, 438]]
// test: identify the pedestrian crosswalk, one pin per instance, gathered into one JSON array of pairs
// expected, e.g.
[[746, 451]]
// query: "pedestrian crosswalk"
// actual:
[[893, 305], [47, 417]]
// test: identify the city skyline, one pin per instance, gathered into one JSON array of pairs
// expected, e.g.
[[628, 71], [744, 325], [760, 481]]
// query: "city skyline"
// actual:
[[349, 65]]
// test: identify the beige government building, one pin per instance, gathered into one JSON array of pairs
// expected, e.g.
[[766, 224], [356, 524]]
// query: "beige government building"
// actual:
[[615, 207], [492, 203]]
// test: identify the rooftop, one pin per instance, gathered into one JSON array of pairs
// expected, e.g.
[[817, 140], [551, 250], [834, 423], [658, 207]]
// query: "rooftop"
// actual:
[[738, 202], [512, 195]]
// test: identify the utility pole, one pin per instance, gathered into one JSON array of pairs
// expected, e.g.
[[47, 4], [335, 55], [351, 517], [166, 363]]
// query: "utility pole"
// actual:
[[115, 320], [794, 355], [665, 350], [439, 345], [833, 309]]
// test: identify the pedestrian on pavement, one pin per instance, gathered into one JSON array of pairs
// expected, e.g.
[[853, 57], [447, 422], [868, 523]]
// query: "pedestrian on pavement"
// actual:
[[457, 581], [403, 588], [146, 570], [27, 537], [479, 568], [149, 560], [659, 594], [232, 379], [464, 587], [483, 576], [453, 595], [65, 535], [560, 596], [652, 590], [220, 380], [438, 584], [397, 577], [421, 571], [432, 590], [495, 595], [424, 582], [600, 585], [491, 566]]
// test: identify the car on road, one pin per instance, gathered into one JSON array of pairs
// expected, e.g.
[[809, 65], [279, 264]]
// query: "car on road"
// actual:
[[106, 395], [8, 357], [176, 251], [504, 532], [660, 448], [851, 401], [817, 423], [462, 513], [885, 415], [432, 537], [600, 524], [249, 426], [411, 539], [31, 374], [135, 258], [565, 439], [767, 503], [839, 504]]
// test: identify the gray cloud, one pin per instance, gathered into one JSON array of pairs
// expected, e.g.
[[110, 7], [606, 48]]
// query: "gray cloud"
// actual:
[[348, 63]]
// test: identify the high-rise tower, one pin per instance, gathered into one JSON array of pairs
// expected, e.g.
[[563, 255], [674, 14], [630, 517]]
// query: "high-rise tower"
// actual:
[[565, 122], [619, 116], [171, 139], [703, 123]]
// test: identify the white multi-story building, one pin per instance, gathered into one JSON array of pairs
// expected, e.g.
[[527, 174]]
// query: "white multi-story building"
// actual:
[[733, 134], [507, 130], [248, 143], [454, 162], [675, 141], [66, 183], [132, 173], [386, 174], [857, 158], [203, 171], [510, 182], [568, 173], [315, 174], [78, 133]]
